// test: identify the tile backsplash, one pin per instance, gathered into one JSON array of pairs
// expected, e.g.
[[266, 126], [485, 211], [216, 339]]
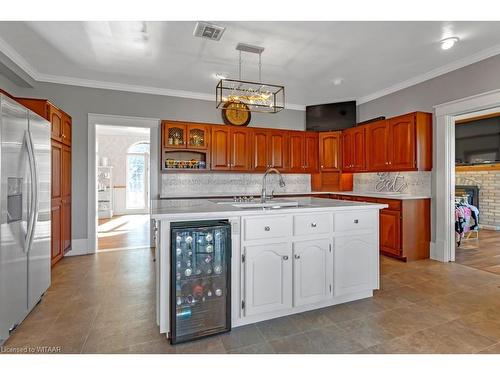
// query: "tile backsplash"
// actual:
[[415, 183], [222, 184]]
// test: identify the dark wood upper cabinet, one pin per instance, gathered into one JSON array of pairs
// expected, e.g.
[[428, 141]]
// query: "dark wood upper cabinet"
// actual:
[[330, 147], [402, 143], [240, 149], [221, 148], [259, 149], [197, 136], [311, 152], [174, 134], [377, 145], [56, 119], [296, 147], [347, 151], [277, 149], [66, 129], [359, 151]]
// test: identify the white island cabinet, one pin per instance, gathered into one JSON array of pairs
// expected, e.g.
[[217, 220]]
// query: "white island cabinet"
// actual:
[[284, 261]]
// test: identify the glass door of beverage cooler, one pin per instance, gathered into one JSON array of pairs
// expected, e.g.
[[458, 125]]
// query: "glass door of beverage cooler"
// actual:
[[200, 283]]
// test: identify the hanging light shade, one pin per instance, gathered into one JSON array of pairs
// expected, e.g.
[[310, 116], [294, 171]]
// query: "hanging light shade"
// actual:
[[248, 95]]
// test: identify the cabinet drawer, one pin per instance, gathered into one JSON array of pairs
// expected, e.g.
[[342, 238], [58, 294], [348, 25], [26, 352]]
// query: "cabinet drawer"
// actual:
[[358, 220], [393, 204], [312, 224], [257, 228]]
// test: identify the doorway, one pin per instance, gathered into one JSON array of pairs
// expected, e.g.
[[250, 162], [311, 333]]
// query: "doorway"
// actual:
[[125, 179], [443, 247], [477, 192]]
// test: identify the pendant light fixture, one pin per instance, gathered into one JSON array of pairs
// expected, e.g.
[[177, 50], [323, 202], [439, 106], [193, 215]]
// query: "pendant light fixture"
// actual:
[[247, 95]]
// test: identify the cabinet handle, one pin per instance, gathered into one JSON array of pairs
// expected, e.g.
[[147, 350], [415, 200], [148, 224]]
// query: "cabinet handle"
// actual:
[[313, 225], [267, 229], [297, 256], [356, 221], [322, 167], [285, 257]]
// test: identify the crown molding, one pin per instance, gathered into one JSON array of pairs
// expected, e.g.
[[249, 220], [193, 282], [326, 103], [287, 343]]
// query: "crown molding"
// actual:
[[106, 85], [481, 55]]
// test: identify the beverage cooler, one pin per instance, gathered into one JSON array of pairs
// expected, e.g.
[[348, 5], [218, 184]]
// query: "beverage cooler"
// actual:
[[200, 287]]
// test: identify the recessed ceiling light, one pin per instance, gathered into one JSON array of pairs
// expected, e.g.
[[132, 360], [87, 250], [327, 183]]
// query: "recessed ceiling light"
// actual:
[[220, 75], [338, 81], [449, 42]]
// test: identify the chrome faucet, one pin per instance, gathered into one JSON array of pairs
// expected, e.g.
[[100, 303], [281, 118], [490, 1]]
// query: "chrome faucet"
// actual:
[[263, 194]]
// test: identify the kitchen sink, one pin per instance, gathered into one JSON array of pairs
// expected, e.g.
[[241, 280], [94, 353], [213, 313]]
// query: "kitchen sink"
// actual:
[[270, 203], [273, 203]]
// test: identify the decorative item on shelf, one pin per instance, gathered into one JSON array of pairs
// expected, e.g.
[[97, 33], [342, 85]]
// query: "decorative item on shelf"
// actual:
[[249, 96], [184, 164], [175, 137]]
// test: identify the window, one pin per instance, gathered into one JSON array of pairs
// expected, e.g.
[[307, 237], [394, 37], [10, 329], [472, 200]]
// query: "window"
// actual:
[[137, 189]]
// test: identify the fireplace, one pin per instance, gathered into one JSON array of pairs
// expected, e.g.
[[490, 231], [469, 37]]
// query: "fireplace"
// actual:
[[470, 190]]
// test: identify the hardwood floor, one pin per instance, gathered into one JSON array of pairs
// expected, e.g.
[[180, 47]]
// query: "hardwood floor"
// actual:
[[120, 232], [483, 254], [105, 303]]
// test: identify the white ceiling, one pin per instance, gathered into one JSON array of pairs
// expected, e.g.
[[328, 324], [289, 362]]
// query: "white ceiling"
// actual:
[[372, 58]]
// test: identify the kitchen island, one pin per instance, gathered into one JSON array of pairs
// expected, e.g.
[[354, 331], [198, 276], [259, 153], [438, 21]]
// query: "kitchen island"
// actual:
[[312, 254]]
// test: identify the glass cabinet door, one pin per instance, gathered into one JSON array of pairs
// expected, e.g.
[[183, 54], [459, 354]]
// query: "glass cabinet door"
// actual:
[[197, 136], [200, 272], [174, 135]]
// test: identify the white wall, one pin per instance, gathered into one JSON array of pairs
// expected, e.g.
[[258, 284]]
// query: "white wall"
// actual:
[[114, 148]]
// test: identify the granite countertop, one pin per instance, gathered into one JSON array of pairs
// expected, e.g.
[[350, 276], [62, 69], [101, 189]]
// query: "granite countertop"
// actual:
[[206, 208], [278, 194]]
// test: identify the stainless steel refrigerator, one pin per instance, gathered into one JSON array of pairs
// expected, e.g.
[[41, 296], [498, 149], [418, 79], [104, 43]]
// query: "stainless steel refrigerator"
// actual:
[[25, 214]]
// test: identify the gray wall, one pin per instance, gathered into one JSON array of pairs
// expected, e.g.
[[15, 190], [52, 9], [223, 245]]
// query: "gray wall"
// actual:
[[471, 80], [474, 79], [80, 101]]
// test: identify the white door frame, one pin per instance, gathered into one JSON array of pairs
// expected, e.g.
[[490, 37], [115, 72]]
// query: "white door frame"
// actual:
[[115, 120], [443, 247]]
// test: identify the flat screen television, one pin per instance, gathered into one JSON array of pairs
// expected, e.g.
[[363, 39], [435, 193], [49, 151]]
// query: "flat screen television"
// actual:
[[332, 116], [478, 142]]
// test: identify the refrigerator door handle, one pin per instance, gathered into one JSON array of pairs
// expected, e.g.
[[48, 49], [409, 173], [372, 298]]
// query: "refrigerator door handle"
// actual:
[[33, 193]]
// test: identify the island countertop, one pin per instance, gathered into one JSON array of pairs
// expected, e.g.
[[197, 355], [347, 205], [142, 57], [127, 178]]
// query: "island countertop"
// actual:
[[188, 208]]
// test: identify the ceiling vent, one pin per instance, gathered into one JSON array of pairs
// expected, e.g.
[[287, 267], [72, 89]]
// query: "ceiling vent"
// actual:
[[208, 31]]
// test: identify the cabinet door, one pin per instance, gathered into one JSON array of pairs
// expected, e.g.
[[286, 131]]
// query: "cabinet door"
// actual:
[[240, 149], [66, 129], [56, 221], [347, 151], [377, 146], [359, 152], [197, 136], [221, 148], [296, 153], [174, 134], [56, 183], [311, 152], [66, 171], [277, 150], [267, 278], [330, 151], [259, 148], [402, 151], [354, 260], [56, 119], [65, 224], [312, 271], [390, 231]]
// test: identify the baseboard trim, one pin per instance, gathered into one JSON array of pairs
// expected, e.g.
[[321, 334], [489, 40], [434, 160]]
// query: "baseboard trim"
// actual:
[[78, 247]]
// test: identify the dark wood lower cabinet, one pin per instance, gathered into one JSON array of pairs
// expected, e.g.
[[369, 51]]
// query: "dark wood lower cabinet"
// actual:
[[56, 217], [404, 227]]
